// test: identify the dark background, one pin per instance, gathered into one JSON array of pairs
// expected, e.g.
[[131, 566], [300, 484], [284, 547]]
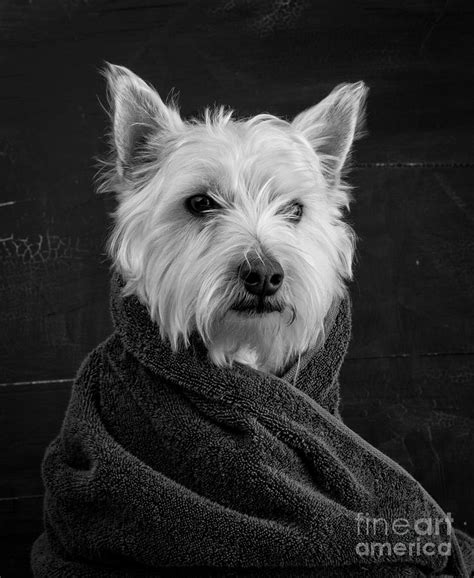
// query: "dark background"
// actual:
[[408, 379]]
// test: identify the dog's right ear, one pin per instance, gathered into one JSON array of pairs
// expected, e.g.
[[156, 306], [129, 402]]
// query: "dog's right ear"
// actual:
[[137, 113]]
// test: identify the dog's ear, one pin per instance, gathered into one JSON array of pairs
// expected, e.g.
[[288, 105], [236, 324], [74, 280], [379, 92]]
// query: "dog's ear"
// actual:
[[332, 125], [137, 112]]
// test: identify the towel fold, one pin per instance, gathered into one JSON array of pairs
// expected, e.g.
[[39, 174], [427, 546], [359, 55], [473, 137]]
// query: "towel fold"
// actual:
[[168, 465]]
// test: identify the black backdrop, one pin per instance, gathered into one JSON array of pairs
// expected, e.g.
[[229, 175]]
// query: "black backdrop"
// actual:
[[408, 380]]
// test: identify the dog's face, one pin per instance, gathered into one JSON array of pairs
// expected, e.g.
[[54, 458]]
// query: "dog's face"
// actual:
[[232, 228]]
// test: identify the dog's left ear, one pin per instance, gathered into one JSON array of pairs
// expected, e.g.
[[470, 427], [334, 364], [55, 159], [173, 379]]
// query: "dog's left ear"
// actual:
[[137, 112], [332, 125]]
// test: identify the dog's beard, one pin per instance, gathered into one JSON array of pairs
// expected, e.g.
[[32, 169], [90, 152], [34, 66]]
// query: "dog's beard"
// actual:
[[271, 331], [273, 338], [228, 319]]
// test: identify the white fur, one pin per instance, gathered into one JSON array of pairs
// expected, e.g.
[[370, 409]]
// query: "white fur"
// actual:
[[185, 268]]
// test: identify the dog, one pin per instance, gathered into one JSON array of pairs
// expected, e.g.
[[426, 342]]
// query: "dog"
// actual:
[[233, 228]]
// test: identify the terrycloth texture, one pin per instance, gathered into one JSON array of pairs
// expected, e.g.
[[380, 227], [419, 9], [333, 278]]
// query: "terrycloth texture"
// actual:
[[165, 460]]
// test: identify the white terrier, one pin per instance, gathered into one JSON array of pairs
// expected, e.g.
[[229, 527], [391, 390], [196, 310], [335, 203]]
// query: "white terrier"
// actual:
[[232, 228]]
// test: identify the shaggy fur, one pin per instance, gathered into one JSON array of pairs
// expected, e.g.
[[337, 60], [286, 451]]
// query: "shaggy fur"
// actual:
[[257, 174]]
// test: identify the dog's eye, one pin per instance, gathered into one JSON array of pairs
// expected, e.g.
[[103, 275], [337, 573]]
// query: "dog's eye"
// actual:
[[293, 212], [200, 204]]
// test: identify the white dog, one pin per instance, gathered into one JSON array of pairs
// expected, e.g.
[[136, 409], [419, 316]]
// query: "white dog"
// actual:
[[232, 228]]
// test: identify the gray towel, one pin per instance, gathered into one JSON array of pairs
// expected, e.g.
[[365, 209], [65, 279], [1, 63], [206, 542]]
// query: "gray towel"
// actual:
[[168, 465]]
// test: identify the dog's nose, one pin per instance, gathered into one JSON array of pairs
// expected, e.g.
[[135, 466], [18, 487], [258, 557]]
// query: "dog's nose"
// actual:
[[261, 276]]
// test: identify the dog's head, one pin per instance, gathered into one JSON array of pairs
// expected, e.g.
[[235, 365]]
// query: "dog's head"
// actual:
[[232, 228]]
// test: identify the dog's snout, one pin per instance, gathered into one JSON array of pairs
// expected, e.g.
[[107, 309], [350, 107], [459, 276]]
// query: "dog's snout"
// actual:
[[262, 276]]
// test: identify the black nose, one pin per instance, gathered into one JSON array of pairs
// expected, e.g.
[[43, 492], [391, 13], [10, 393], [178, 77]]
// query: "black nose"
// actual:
[[261, 276]]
